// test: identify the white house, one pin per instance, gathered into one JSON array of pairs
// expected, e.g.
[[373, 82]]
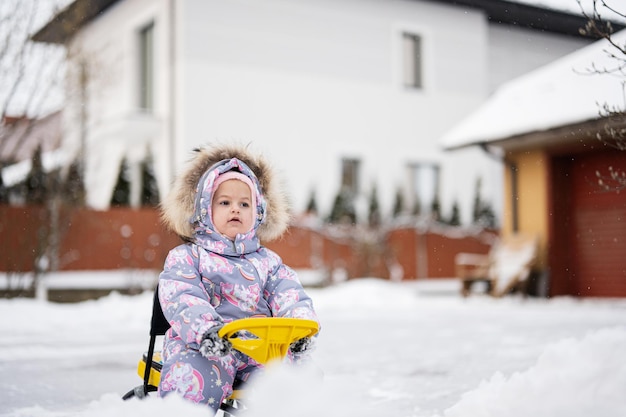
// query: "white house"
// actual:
[[334, 91]]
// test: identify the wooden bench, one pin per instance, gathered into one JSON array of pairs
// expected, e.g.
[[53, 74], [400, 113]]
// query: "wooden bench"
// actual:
[[506, 268]]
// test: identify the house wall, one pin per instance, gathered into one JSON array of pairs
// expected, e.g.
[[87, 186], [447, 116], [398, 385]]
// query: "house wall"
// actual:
[[532, 198], [322, 79], [103, 115], [515, 51], [306, 83]]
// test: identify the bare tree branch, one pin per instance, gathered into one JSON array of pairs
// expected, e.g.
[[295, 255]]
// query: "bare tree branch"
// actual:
[[613, 115], [613, 10], [29, 72], [18, 49], [25, 66]]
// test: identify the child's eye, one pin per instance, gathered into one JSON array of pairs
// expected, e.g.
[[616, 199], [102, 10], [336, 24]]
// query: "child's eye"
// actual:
[[245, 205], [224, 203]]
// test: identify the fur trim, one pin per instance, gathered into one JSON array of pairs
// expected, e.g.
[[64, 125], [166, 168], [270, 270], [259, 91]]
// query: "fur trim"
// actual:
[[178, 206]]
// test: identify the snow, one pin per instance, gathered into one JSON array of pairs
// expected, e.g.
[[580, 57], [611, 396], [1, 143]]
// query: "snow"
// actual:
[[406, 349], [15, 173], [564, 92]]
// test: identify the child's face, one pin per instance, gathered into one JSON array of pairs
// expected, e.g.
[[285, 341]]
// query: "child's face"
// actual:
[[232, 208]]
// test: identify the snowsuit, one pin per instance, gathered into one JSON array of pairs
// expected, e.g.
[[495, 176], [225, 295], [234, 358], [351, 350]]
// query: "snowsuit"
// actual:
[[210, 280]]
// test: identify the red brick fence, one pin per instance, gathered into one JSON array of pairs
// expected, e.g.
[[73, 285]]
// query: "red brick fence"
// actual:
[[123, 238]]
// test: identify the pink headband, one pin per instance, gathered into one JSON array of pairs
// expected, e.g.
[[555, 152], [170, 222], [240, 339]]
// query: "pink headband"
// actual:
[[234, 175]]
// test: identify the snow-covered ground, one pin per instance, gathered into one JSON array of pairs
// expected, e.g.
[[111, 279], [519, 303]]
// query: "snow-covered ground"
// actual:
[[401, 349]]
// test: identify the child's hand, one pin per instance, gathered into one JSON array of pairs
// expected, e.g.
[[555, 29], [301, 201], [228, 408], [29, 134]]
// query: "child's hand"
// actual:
[[301, 345], [212, 345]]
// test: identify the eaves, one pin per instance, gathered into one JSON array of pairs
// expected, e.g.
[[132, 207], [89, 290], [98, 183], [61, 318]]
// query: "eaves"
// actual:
[[70, 20], [583, 136], [529, 16]]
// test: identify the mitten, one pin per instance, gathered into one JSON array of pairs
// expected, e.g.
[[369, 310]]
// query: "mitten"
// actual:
[[212, 345], [301, 345]]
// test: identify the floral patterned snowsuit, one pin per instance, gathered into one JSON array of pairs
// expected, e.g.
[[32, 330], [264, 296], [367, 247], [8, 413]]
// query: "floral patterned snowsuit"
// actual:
[[213, 280]]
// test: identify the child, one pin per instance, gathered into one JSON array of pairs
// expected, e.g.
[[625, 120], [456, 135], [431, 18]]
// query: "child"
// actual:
[[221, 206]]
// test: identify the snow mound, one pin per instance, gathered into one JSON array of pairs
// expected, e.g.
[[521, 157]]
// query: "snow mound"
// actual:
[[574, 378]]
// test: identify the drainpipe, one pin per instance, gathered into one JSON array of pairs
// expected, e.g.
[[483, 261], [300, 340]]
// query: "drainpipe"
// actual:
[[172, 89], [512, 166], [514, 194]]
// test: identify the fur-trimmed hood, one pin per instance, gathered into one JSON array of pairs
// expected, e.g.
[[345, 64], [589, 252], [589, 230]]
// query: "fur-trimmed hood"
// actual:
[[179, 207]]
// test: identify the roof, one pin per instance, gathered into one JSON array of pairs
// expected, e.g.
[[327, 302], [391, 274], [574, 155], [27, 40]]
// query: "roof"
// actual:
[[552, 17], [70, 20], [565, 92], [20, 137]]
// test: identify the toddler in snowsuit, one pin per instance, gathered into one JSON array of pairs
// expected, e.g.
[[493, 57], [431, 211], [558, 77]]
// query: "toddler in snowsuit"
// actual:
[[221, 206]]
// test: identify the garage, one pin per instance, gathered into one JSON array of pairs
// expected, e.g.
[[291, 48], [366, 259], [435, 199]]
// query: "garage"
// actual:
[[590, 214]]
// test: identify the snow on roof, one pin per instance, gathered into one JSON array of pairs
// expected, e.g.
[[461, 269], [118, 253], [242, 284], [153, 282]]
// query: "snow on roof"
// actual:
[[20, 141], [564, 92], [20, 138], [18, 172]]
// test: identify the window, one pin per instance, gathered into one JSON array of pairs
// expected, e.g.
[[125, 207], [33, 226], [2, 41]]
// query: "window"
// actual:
[[350, 175], [412, 60], [425, 185], [146, 67]]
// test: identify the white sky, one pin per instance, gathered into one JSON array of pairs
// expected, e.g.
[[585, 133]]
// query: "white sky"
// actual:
[[403, 349], [33, 69]]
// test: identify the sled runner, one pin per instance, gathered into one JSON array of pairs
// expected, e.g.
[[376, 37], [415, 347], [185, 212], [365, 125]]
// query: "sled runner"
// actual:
[[267, 339]]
